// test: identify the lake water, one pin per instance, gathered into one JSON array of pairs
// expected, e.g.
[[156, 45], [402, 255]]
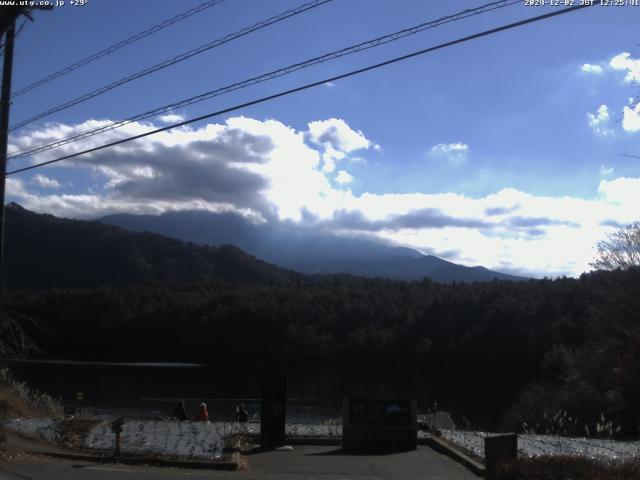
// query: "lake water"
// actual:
[[152, 389], [314, 395]]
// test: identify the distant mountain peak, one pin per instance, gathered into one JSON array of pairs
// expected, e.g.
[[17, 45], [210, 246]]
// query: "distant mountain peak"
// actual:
[[304, 249], [407, 252]]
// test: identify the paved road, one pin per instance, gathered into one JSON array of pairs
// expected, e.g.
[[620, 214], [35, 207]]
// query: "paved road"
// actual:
[[304, 463]]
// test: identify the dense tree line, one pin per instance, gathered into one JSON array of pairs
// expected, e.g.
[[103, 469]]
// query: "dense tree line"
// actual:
[[42, 251], [544, 346]]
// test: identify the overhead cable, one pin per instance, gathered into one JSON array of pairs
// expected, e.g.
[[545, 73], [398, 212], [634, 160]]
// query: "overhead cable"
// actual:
[[268, 76], [308, 86], [172, 61], [117, 46]]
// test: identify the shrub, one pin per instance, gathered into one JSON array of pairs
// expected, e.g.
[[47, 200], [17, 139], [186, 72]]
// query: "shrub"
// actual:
[[562, 468]]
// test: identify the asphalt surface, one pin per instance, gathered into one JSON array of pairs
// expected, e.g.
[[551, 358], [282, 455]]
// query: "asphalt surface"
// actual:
[[304, 462]]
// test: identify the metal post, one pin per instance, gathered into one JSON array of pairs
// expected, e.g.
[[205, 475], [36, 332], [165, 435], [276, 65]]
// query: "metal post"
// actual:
[[117, 452], [5, 104], [116, 427]]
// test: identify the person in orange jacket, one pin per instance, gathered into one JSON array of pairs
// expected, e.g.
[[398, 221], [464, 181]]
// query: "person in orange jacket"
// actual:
[[203, 414]]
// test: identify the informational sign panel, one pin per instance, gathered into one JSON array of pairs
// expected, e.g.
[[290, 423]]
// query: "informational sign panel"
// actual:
[[379, 424], [368, 411]]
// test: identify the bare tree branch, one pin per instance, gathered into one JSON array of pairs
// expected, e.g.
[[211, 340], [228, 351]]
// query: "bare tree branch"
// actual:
[[16, 334], [621, 249]]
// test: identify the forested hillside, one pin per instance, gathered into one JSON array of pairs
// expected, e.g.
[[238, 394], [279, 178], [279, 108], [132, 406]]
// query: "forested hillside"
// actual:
[[46, 251], [540, 346]]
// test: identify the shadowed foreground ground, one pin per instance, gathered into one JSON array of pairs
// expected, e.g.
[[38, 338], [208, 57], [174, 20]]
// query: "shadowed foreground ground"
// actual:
[[304, 462]]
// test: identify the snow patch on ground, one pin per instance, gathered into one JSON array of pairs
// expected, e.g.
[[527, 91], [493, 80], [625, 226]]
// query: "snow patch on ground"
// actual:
[[536, 445], [204, 441], [199, 440], [186, 439], [196, 440], [35, 428]]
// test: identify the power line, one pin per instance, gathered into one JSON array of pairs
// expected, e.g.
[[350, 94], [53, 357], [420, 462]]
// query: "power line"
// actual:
[[173, 61], [269, 76], [310, 85], [16, 36], [21, 27], [115, 47]]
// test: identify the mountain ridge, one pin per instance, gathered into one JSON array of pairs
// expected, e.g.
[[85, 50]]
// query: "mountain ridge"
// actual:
[[293, 247], [44, 251]]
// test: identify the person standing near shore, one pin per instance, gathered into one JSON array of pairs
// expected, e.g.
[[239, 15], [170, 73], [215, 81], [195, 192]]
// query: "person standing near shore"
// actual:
[[180, 413], [242, 415], [203, 414]]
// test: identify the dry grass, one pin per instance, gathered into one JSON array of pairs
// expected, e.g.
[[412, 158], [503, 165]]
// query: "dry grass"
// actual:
[[9, 456], [12, 406], [18, 400], [573, 467]]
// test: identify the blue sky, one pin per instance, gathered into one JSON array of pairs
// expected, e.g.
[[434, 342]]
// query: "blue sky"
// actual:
[[505, 151]]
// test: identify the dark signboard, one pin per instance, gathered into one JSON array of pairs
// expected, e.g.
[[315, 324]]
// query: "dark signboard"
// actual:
[[117, 425], [368, 411], [379, 424]]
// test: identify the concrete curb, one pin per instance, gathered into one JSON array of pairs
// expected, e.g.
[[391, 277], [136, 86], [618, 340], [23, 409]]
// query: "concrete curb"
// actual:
[[444, 447], [313, 441], [329, 441]]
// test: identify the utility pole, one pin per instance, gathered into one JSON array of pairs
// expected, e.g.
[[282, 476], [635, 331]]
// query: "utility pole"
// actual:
[[8, 26], [5, 104]]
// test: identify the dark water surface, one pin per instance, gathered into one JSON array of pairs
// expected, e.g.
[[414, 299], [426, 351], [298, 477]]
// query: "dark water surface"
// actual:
[[314, 395], [152, 389]]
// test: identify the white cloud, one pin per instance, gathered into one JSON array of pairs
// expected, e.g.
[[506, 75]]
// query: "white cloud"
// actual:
[[451, 147], [590, 68], [621, 191], [338, 134], [330, 84], [599, 121], [606, 171], [338, 140], [357, 160], [343, 177], [46, 182], [171, 118], [626, 62], [454, 153], [267, 171], [631, 118]]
